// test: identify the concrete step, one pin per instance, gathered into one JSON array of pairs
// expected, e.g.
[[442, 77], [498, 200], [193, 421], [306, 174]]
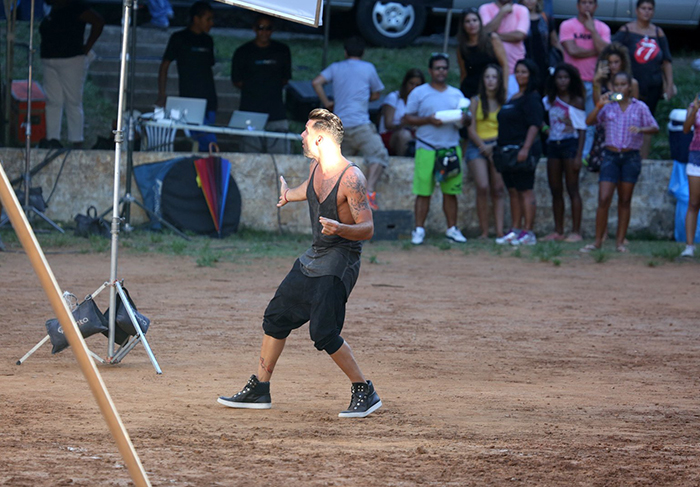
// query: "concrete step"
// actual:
[[149, 81]]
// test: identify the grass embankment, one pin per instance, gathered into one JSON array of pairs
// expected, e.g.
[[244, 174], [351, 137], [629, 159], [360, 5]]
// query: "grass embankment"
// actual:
[[247, 246]]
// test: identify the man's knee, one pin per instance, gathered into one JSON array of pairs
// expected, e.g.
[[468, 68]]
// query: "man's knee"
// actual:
[[329, 344]]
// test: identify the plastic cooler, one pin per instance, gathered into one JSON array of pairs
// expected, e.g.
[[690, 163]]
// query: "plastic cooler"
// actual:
[[677, 140], [19, 112]]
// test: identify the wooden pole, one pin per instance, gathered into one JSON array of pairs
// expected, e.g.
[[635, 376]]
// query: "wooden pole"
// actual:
[[70, 329]]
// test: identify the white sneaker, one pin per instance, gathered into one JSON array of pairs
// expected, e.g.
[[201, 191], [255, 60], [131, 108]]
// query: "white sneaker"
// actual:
[[417, 236], [508, 238], [455, 235], [525, 238], [689, 251]]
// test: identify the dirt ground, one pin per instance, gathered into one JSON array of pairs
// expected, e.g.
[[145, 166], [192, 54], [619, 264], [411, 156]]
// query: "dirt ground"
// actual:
[[493, 370]]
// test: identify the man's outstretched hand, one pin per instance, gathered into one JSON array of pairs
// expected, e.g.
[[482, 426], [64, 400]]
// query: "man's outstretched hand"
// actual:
[[284, 189]]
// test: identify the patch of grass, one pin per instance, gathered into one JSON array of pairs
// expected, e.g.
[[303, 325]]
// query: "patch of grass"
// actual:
[[556, 262], [517, 253], [99, 244], [652, 263], [600, 256], [668, 253], [407, 245], [444, 245], [546, 251], [178, 246], [208, 257], [373, 259]]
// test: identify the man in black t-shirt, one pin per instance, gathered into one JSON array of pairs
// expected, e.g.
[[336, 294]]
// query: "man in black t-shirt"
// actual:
[[193, 50], [260, 69]]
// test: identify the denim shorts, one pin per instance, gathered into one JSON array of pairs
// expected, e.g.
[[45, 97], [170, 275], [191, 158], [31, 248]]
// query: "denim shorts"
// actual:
[[562, 149], [620, 167], [472, 151], [693, 166]]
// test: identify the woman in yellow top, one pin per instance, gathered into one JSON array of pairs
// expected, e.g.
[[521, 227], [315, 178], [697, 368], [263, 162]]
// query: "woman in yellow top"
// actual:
[[479, 154]]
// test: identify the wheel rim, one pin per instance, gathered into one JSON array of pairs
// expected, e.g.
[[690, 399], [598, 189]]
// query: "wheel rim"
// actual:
[[393, 19]]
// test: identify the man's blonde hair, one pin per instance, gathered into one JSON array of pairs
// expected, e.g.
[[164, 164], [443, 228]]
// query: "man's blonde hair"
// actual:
[[328, 122]]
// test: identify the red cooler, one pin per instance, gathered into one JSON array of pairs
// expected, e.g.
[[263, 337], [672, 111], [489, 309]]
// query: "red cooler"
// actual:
[[19, 112]]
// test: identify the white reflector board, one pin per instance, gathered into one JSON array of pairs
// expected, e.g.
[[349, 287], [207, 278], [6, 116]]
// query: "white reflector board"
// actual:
[[307, 12]]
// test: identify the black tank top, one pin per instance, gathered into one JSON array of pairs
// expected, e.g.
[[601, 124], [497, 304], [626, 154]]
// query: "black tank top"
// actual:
[[330, 254], [475, 62]]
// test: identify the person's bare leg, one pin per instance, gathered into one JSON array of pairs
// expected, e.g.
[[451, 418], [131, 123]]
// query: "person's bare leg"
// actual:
[[624, 210], [270, 352], [556, 188], [529, 203], [422, 207], [498, 191], [480, 171], [606, 190], [571, 175], [347, 363], [691, 216], [375, 172], [449, 207]]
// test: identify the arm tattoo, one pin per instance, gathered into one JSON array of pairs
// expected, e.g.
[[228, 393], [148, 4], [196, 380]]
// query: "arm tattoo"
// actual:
[[357, 196], [265, 367]]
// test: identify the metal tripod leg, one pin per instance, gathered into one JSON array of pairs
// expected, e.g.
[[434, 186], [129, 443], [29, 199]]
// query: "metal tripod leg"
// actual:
[[46, 339], [129, 198], [139, 333]]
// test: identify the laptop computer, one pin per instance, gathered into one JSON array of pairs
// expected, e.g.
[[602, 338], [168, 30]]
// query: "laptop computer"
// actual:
[[186, 110], [248, 120]]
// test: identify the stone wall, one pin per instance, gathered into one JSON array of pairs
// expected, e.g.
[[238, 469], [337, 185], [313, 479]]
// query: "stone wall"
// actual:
[[87, 177]]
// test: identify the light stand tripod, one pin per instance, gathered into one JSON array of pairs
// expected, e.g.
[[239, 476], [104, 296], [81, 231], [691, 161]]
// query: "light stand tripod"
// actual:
[[114, 285], [27, 176]]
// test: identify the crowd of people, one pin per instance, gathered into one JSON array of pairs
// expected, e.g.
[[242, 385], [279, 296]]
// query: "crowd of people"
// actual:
[[577, 95]]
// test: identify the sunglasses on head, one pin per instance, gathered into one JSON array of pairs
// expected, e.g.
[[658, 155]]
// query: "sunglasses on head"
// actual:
[[263, 27]]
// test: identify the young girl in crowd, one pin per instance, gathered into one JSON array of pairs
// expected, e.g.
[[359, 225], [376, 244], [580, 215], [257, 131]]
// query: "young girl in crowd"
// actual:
[[567, 123], [483, 133], [477, 49], [626, 121], [693, 171], [519, 122], [614, 59], [395, 135]]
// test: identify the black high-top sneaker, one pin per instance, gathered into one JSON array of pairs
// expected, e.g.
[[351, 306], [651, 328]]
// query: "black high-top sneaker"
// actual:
[[255, 395], [364, 401]]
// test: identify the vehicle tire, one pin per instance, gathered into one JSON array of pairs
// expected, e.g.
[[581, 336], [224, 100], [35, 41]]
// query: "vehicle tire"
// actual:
[[389, 23]]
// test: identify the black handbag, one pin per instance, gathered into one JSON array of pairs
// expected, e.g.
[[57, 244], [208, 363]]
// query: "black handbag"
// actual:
[[90, 321], [90, 224], [505, 158], [447, 164]]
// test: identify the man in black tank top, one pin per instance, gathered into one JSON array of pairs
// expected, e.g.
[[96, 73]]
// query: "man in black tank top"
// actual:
[[317, 287]]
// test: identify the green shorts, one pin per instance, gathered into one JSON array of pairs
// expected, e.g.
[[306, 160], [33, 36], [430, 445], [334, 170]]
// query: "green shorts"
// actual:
[[423, 180]]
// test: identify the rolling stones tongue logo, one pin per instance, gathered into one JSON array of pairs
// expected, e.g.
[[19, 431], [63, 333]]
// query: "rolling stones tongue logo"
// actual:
[[646, 50]]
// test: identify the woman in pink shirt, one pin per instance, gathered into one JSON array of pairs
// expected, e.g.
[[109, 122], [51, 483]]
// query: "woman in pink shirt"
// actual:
[[626, 121], [692, 169]]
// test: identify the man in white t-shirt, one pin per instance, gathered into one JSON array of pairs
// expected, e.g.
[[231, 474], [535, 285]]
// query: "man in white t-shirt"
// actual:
[[355, 84], [512, 23], [583, 38], [433, 136]]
